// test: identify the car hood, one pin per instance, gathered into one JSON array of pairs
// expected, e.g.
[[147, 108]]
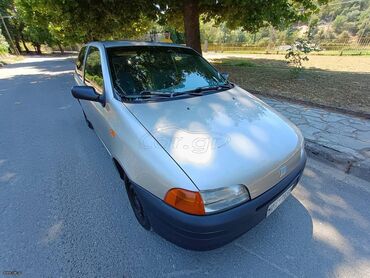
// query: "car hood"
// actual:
[[224, 138]]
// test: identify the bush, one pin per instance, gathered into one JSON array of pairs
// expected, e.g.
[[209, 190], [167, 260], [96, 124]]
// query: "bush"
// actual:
[[339, 23], [344, 37], [264, 42], [297, 53], [4, 46]]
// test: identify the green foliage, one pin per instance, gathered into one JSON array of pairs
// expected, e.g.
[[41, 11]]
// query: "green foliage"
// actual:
[[364, 23], [63, 22], [351, 16], [4, 46], [58, 22], [36, 23], [257, 22], [264, 42], [252, 15], [224, 21], [339, 21], [14, 24], [84, 20], [343, 37], [297, 53]]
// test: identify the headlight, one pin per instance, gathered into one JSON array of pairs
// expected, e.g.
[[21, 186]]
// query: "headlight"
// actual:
[[223, 198]]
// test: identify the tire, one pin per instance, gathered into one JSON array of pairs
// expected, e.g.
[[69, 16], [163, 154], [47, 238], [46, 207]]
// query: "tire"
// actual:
[[89, 124], [136, 206]]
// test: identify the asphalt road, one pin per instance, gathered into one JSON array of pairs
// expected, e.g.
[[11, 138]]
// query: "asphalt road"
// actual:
[[64, 211]]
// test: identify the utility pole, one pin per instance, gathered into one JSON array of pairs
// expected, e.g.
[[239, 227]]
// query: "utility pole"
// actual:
[[15, 49]]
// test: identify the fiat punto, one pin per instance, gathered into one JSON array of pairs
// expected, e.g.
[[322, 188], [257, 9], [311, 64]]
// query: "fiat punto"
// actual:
[[202, 160]]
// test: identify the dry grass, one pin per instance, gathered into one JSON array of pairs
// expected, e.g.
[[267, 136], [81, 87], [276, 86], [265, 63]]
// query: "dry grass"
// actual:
[[331, 63], [8, 59], [340, 82]]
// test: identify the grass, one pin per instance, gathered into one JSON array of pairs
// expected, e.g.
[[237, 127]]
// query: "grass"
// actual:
[[339, 82], [365, 52], [327, 50], [8, 59], [238, 63]]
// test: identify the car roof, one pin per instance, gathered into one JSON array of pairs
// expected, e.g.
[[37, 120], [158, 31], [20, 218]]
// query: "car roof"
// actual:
[[109, 44]]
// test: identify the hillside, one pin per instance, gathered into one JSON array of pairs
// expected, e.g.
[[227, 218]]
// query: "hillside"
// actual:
[[337, 21]]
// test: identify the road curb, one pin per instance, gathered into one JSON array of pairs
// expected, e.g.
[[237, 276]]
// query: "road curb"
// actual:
[[344, 161]]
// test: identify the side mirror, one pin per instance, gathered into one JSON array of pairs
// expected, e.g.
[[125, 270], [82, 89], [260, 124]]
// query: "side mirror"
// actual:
[[87, 93], [225, 75]]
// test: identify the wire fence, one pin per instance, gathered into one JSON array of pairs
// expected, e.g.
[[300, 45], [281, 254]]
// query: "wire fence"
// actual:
[[326, 47]]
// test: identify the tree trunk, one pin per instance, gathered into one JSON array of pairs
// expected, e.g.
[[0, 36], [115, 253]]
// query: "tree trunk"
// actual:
[[60, 48], [191, 24], [38, 48], [25, 46], [17, 45], [20, 32]]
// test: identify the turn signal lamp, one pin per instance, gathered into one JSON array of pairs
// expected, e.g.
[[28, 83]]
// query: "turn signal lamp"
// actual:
[[187, 201]]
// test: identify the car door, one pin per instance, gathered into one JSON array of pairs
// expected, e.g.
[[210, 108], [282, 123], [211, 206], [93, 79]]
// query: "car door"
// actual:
[[96, 113]]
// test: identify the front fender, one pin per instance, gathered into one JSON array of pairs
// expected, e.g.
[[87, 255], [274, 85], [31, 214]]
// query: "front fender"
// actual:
[[143, 159]]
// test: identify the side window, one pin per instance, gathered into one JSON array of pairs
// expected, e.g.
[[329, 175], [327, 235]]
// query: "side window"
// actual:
[[80, 61], [93, 70]]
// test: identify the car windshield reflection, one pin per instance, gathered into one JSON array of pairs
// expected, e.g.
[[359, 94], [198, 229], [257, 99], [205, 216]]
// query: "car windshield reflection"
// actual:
[[159, 69]]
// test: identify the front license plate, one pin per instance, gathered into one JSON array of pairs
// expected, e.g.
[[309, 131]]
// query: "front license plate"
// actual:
[[273, 206]]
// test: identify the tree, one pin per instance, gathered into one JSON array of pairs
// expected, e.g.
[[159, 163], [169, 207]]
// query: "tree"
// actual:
[[344, 37], [84, 20], [36, 23], [4, 46], [339, 23], [312, 26], [297, 53], [94, 20], [364, 24], [14, 23], [249, 15]]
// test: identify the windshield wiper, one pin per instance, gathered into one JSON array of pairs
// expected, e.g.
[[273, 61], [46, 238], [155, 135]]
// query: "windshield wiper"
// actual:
[[148, 94], [155, 93], [145, 94], [200, 90]]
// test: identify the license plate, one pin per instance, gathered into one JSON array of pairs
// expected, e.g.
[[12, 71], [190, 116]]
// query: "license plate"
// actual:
[[273, 206]]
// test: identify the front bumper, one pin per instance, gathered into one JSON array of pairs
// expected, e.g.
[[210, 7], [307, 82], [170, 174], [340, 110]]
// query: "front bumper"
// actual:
[[212, 231]]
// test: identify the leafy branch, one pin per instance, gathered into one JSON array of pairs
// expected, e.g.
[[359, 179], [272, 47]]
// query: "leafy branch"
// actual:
[[298, 52]]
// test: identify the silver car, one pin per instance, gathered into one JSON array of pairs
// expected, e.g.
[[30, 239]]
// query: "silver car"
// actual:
[[203, 160]]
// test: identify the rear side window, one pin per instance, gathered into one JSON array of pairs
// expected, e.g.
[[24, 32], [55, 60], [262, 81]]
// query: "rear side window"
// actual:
[[93, 70], [80, 61]]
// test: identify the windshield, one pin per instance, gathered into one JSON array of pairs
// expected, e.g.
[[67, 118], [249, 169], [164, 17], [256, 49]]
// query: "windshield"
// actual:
[[160, 69]]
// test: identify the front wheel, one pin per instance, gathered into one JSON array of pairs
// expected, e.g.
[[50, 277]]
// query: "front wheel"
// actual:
[[136, 205]]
